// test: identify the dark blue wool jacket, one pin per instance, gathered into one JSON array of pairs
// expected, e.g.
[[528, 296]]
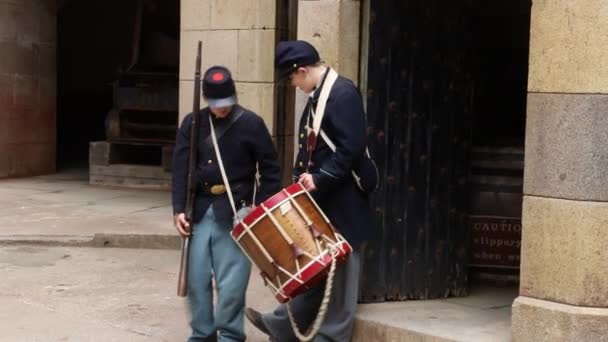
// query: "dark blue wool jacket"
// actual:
[[246, 143], [345, 205]]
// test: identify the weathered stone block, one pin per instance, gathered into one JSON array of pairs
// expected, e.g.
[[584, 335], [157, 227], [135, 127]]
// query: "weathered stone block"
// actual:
[[7, 92], [31, 159], [219, 48], [26, 94], [185, 99], [31, 126], [17, 130], [4, 128], [566, 139], [8, 22], [130, 176], [48, 60], [47, 33], [256, 55], [348, 64], [544, 321], [19, 58], [48, 94], [195, 14], [333, 28], [568, 46], [28, 23], [186, 94], [564, 254], [238, 14], [99, 153], [258, 97], [4, 161], [318, 23]]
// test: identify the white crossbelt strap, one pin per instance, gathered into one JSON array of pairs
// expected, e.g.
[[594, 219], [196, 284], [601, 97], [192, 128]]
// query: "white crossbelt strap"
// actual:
[[223, 171], [331, 78]]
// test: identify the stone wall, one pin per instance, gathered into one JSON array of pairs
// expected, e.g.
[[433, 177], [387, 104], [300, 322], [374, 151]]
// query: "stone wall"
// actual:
[[240, 35], [27, 87], [564, 285]]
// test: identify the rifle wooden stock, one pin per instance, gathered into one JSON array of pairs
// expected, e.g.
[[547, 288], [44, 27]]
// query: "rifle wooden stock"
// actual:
[[182, 281]]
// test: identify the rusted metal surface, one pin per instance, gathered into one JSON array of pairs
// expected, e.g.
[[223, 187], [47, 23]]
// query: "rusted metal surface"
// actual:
[[145, 94], [147, 91], [145, 108], [419, 105]]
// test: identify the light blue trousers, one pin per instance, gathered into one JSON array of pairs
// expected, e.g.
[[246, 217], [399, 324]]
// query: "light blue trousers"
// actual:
[[213, 253]]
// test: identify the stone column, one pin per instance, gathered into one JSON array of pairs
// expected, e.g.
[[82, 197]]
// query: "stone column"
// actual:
[[240, 35], [332, 26], [564, 278], [27, 87]]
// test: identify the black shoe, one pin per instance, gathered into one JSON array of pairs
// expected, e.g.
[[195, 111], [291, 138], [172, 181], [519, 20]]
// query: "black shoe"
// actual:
[[256, 319]]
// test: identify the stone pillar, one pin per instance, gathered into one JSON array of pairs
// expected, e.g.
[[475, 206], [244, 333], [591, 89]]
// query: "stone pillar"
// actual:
[[240, 35], [332, 26], [27, 87], [564, 283]]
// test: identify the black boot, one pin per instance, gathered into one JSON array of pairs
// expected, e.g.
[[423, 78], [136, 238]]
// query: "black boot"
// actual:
[[256, 319]]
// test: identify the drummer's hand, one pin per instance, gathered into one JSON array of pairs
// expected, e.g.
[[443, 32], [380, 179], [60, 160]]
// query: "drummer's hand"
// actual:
[[182, 226], [308, 182]]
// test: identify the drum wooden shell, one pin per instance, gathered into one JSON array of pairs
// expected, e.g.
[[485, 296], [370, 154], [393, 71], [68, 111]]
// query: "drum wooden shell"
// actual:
[[291, 241]]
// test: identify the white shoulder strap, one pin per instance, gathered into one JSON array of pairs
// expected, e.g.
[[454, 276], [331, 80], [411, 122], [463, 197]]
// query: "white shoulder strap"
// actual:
[[331, 78], [221, 164]]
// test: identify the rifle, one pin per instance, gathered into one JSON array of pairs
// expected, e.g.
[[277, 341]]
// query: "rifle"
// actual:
[[182, 284]]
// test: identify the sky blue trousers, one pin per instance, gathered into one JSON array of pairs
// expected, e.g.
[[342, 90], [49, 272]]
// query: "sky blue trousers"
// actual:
[[213, 253]]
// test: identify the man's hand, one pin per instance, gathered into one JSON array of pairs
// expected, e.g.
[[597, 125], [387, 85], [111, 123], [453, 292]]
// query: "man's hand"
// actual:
[[307, 182], [182, 226]]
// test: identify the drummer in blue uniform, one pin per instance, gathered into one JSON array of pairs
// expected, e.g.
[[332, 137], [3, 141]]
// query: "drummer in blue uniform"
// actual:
[[328, 176], [244, 143]]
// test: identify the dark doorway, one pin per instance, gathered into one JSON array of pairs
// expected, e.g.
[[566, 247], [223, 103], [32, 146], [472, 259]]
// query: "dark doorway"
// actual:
[[446, 89], [501, 34], [98, 43]]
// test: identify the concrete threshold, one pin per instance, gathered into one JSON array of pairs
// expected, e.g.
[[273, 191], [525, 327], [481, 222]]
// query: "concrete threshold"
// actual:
[[483, 316]]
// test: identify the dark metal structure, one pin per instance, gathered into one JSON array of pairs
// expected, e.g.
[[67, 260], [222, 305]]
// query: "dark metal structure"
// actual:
[[419, 105], [446, 83], [145, 94], [145, 108]]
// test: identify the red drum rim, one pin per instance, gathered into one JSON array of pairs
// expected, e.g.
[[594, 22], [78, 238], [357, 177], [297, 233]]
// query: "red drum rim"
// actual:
[[270, 203], [309, 275]]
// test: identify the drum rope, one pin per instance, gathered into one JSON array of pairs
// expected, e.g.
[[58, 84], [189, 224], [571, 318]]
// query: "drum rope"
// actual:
[[312, 332]]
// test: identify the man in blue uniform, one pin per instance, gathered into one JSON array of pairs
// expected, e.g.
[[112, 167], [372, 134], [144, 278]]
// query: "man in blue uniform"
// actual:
[[329, 178], [245, 144]]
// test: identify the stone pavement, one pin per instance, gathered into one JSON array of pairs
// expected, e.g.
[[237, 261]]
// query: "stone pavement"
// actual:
[[97, 294], [64, 209], [52, 214]]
